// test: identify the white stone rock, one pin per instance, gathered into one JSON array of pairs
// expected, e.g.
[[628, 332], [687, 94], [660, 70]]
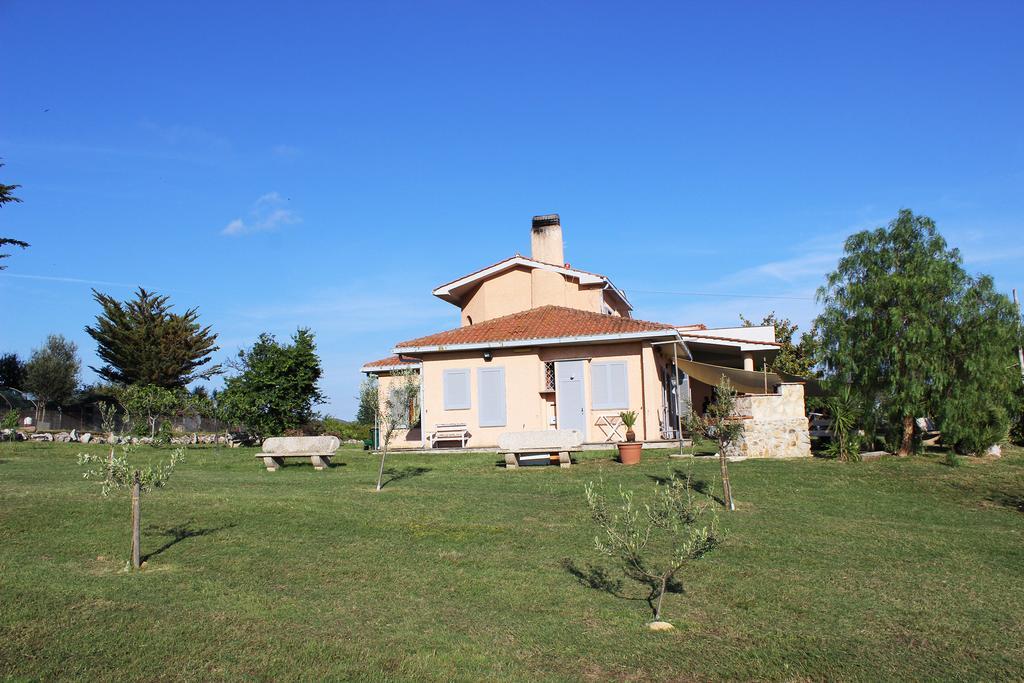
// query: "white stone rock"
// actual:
[[74, 435], [995, 450], [85, 438], [660, 626]]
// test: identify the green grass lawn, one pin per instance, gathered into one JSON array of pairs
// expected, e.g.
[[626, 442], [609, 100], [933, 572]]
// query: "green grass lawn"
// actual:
[[884, 570]]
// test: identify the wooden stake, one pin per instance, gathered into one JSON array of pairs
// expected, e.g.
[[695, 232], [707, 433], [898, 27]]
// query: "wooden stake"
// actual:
[[136, 522]]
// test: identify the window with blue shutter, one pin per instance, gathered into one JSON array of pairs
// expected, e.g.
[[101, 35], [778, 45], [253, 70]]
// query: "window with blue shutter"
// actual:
[[456, 389], [609, 385], [490, 386]]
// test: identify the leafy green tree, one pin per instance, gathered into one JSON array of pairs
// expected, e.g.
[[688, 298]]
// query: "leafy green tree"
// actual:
[[51, 375], [12, 371], [142, 341], [907, 328], [794, 358], [979, 403], [151, 403], [367, 411], [277, 385], [7, 197]]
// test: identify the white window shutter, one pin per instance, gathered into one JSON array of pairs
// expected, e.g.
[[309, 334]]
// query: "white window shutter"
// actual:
[[490, 384], [456, 389], [609, 385]]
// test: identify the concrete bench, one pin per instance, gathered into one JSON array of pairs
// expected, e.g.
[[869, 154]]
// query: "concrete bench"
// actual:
[[539, 448], [318, 449]]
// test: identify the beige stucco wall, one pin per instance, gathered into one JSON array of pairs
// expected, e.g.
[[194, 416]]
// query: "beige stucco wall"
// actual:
[[521, 289], [528, 408]]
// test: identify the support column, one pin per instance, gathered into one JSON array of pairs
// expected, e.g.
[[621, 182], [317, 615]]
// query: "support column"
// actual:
[[748, 361]]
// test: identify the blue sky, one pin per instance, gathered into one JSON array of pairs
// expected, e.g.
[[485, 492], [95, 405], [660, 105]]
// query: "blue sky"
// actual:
[[283, 166]]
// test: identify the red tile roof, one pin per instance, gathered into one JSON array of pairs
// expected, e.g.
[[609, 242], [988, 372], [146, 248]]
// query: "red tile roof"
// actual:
[[390, 362], [544, 322]]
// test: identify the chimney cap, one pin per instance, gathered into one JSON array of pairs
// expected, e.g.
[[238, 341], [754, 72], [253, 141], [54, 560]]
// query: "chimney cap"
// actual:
[[546, 220]]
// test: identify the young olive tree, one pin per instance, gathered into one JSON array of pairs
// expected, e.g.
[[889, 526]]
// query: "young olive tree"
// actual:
[[396, 407], [720, 425], [655, 540], [118, 473]]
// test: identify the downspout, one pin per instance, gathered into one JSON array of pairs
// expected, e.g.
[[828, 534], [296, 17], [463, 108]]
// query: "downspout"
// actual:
[[643, 392]]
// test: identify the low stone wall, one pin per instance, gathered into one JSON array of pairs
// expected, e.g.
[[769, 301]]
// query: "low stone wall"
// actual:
[[774, 425]]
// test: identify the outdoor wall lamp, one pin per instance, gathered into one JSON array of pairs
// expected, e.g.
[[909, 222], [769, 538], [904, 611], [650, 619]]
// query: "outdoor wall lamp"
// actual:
[[488, 356]]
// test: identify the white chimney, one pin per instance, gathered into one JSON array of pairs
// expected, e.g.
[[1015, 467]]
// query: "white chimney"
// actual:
[[546, 239]]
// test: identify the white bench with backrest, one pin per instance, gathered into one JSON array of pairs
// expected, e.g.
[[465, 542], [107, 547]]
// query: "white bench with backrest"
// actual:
[[540, 448], [318, 449], [450, 431]]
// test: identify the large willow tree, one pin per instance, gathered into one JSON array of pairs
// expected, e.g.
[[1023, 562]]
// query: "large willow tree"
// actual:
[[143, 341], [913, 335]]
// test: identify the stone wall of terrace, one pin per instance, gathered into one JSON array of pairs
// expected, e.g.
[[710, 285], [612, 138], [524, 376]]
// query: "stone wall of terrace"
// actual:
[[774, 425]]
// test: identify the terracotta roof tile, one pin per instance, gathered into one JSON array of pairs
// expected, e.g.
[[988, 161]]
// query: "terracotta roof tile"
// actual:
[[544, 322], [391, 361]]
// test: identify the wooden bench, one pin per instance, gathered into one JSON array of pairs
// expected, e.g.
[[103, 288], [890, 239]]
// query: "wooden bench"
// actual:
[[450, 431], [545, 447], [319, 450]]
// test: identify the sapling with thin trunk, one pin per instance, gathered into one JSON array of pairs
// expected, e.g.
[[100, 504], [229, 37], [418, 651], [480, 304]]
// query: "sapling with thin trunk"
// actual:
[[655, 540], [118, 473], [395, 409], [721, 425]]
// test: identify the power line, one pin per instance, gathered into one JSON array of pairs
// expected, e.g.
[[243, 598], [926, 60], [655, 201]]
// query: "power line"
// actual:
[[729, 296]]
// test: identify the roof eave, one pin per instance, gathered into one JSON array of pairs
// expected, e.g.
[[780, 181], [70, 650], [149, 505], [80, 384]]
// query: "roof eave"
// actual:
[[548, 341]]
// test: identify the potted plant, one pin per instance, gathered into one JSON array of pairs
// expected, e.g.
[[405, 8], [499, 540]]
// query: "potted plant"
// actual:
[[629, 450]]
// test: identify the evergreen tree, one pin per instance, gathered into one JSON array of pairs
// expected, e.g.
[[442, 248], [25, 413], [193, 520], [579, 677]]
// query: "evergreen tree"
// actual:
[[7, 196], [276, 387], [12, 371], [142, 341], [913, 335]]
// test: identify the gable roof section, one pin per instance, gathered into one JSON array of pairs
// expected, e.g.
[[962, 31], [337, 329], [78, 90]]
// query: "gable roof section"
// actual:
[[538, 326], [452, 291], [391, 363]]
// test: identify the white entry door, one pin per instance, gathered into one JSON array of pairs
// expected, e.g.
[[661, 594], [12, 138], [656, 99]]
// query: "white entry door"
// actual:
[[570, 397]]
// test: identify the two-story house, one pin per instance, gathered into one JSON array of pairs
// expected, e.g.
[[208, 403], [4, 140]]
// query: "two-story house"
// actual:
[[544, 345]]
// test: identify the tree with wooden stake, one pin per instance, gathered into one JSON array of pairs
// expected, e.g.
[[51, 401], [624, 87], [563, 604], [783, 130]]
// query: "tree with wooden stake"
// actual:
[[721, 425], [654, 541], [396, 407], [118, 473]]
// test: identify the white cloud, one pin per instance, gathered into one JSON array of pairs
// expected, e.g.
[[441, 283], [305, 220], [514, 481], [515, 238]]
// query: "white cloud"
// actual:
[[268, 213]]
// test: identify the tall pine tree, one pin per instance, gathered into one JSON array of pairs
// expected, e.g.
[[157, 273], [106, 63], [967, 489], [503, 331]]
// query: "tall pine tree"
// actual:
[[142, 341]]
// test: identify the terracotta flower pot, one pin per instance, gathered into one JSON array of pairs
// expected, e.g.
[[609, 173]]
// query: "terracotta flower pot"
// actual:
[[629, 452]]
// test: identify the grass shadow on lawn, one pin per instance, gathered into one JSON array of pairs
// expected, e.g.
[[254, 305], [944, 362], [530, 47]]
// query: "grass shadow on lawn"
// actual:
[[394, 474], [178, 534], [701, 486], [599, 578]]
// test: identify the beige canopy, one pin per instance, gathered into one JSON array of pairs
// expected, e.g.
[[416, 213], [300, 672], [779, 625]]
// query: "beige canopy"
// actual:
[[743, 381]]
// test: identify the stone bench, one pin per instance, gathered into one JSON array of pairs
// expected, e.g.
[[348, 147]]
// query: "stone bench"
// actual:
[[539, 448], [319, 450]]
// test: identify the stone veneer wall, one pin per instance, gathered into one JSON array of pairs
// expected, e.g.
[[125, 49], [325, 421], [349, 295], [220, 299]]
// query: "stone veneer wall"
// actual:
[[775, 425]]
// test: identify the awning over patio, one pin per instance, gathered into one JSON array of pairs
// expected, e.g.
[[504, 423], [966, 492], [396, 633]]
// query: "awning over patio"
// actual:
[[743, 381]]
